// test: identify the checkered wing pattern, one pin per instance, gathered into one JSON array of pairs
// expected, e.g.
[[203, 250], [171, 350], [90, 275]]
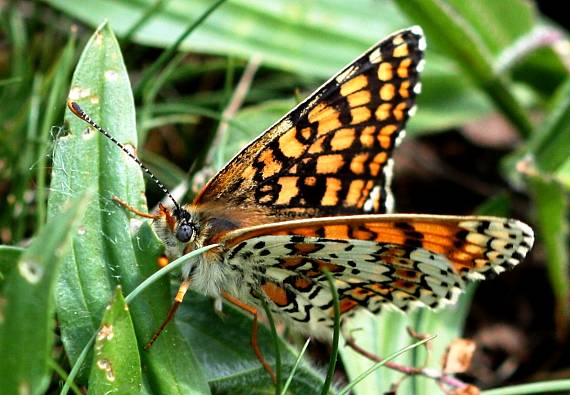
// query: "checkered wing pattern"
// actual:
[[376, 260], [331, 155]]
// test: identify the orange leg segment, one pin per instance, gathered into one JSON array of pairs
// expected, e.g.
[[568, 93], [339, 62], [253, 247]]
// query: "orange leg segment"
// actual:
[[134, 210], [177, 301], [253, 311]]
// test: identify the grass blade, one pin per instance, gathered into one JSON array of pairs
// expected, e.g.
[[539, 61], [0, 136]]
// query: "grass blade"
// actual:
[[26, 323], [295, 366], [378, 365], [441, 20]]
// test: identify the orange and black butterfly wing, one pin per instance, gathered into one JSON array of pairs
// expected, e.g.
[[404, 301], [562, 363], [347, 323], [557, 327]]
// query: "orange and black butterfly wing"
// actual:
[[331, 155], [376, 260]]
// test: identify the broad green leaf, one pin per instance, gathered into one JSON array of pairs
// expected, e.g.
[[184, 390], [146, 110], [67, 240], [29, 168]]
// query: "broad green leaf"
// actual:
[[83, 159], [170, 365], [105, 253], [315, 37], [222, 344], [116, 365], [312, 38], [27, 305]]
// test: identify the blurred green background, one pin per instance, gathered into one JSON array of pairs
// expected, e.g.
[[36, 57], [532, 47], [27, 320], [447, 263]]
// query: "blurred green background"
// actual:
[[491, 136]]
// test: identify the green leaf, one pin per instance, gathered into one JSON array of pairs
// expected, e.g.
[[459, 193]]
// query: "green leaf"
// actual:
[[171, 363], [83, 159], [454, 33], [550, 145], [27, 305], [116, 366], [541, 387], [105, 251], [485, 13], [315, 37], [53, 106], [381, 335], [309, 38], [497, 205], [552, 214], [222, 344], [9, 255]]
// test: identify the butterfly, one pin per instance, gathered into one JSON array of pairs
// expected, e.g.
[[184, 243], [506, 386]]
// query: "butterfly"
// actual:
[[312, 194]]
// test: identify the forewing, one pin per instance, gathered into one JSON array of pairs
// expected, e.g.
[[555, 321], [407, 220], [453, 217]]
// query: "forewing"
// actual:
[[377, 260], [331, 155]]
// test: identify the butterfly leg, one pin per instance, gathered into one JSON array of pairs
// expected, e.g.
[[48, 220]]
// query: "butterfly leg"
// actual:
[[163, 260], [135, 210], [177, 301], [253, 311]]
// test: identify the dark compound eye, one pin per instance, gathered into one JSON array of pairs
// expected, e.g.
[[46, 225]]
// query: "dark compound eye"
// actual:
[[185, 233]]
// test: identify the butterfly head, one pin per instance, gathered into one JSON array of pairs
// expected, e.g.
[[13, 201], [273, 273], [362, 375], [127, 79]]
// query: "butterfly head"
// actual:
[[178, 229], [185, 229]]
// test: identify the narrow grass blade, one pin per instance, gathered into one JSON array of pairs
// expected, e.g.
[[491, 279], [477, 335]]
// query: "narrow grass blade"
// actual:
[[54, 105], [27, 316], [172, 49], [277, 351], [460, 41], [542, 387], [378, 365], [550, 146], [295, 366]]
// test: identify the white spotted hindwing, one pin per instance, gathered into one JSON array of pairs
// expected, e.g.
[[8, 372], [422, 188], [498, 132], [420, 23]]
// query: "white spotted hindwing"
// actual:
[[376, 260], [331, 155]]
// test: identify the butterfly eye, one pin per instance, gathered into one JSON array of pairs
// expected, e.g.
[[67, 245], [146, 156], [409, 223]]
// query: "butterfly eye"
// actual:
[[185, 233]]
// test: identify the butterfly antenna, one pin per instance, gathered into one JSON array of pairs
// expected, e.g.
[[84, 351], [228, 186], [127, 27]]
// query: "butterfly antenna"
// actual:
[[78, 111]]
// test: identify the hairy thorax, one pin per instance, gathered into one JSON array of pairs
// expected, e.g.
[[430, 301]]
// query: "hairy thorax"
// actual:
[[210, 274]]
